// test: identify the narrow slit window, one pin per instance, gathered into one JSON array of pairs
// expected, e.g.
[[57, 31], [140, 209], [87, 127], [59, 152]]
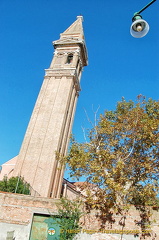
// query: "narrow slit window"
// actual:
[[69, 58]]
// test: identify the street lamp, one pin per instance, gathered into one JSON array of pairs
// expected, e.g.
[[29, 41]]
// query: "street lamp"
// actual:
[[139, 27]]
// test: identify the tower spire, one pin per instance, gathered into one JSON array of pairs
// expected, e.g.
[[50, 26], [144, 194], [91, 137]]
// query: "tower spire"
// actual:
[[75, 30]]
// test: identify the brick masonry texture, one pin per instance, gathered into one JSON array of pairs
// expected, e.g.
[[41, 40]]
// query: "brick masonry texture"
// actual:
[[16, 213]]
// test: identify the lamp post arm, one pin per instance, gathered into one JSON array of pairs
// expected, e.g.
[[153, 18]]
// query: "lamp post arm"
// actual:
[[137, 13]]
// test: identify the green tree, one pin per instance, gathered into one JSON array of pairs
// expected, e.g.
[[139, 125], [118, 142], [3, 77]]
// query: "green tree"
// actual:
[[70, 213], [14, 185], [121, 158]]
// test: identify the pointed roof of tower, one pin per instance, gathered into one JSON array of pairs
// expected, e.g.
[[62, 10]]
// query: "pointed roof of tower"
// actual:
[[75, 30], [74, 35]]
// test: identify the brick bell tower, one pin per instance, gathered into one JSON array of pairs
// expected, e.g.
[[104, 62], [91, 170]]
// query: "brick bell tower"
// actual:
[[51, 121]]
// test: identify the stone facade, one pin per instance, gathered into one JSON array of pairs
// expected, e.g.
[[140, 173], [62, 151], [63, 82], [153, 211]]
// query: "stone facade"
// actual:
[[51, 122]]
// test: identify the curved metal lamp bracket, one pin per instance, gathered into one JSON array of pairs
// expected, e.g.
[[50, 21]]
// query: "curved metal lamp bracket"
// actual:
[[137, 14]]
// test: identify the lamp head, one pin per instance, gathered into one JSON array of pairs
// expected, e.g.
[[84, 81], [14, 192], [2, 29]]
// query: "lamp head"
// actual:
[[139, 27]]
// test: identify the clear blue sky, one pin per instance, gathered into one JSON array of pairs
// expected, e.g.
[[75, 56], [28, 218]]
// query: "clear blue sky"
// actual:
[[119, 65]]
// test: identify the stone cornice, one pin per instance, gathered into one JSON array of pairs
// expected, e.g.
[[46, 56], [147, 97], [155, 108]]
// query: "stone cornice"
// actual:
[[66, 72]]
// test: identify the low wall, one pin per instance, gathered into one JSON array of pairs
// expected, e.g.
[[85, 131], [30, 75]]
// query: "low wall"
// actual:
[[16, 213], [129, 228], [102, 236]]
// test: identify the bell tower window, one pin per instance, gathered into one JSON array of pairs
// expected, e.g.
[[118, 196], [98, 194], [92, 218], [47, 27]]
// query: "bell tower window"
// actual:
[[69, 58]]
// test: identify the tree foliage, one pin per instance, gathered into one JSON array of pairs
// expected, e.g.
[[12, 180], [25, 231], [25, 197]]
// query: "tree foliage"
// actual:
[[14, 185], [70, 213], [121, 157]]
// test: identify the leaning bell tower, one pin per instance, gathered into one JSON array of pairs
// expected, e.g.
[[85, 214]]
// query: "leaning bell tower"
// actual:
[[51, 121]]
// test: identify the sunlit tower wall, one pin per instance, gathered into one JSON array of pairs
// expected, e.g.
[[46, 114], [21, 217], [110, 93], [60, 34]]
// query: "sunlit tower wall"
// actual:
[[51, 122]]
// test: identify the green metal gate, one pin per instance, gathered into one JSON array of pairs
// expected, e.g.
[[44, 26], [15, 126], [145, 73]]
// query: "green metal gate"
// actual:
[[45, 227]]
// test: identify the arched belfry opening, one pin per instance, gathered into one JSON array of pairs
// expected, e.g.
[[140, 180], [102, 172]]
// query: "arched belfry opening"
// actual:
[[69, 58]]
